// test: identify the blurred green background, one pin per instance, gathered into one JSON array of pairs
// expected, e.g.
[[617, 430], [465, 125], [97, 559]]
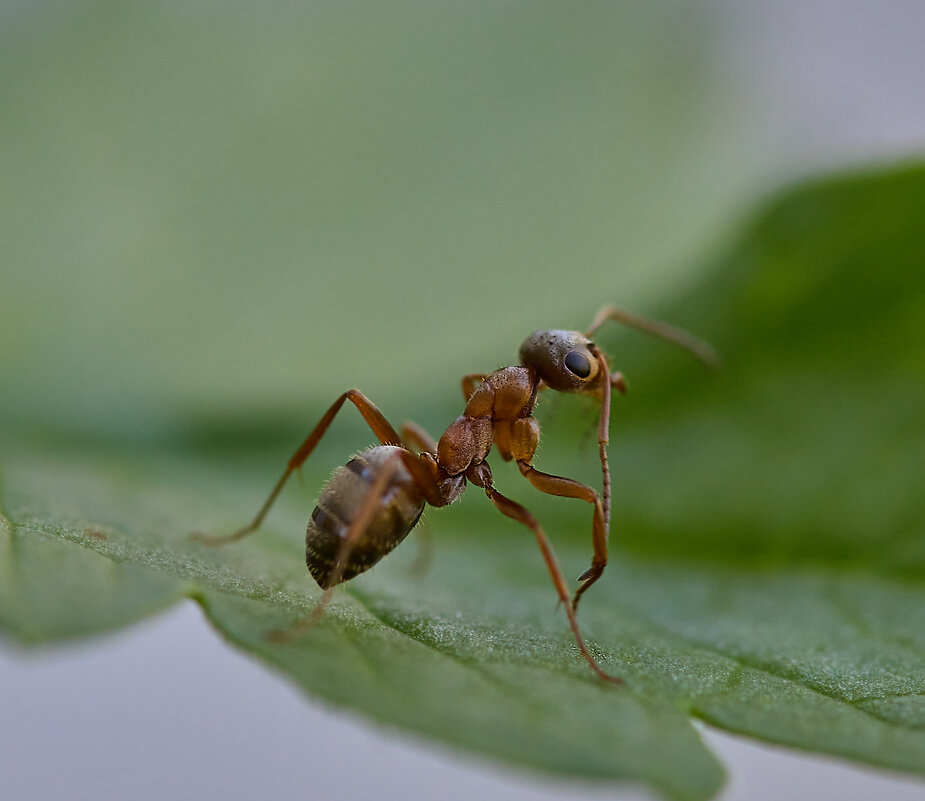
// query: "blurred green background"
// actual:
[[234, 211]]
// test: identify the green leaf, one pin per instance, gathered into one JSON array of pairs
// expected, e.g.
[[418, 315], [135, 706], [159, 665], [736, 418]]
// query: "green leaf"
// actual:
[[769, 551]]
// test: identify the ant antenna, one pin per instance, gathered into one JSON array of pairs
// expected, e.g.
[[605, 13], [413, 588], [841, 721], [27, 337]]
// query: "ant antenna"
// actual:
[[701, 350]]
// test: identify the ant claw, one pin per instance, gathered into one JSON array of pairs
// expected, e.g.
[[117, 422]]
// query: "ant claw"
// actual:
[[587, 574], [206, 539], [280, 636], [283, 636], [214, 539]]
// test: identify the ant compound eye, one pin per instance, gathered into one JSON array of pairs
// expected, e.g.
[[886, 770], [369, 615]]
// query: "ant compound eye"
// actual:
[[578, 364], [565, 361]]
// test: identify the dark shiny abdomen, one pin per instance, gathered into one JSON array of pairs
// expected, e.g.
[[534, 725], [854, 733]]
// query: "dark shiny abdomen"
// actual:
[[341, 500]]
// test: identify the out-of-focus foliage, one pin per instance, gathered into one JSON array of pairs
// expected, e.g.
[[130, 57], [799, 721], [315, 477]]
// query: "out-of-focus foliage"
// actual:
[[769, 550], [230, 209]]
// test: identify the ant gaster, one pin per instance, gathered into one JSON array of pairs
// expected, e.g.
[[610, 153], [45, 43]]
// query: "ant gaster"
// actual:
[[371, 504]]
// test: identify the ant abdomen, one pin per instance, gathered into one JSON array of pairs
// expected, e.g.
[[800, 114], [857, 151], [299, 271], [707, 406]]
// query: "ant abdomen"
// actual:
[[396, 513]]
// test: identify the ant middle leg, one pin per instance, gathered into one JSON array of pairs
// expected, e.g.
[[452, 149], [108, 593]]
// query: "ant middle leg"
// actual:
[[469, 383], [373, 417], [569, 488], [480, 475]]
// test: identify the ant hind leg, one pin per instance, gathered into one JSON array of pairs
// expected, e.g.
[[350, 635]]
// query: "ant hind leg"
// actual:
[[373, 417], [414, 435]]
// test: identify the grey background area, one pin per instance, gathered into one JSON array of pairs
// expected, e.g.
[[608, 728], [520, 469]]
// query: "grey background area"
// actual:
[[167, 711]]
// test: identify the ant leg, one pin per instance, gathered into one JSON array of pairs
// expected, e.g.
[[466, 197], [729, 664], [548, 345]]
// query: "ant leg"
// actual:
[[469, 381], [480, 475], [618, 382], [424, 472], [677, 336], [374, 418], [414, 435], [603, 437], [569, 488], [425, 555]]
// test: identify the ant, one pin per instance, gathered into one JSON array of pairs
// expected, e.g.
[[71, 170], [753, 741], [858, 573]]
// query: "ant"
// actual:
[[371, 504]]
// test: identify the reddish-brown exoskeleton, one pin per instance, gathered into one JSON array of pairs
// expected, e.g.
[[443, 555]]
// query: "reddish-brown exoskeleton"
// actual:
[[371, 504]]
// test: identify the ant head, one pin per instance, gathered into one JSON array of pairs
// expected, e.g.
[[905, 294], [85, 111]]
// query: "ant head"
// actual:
[[567, 361]]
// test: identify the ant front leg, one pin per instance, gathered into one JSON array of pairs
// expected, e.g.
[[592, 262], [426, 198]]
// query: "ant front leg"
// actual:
[[373, 417], [569, 488], [524, 436]]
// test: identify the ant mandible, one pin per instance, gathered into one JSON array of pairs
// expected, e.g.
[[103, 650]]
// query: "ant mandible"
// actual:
[[371, 504]]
